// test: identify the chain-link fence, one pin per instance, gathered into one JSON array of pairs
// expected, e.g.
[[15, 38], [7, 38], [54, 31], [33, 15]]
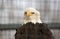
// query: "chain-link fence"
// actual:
[[12, 11]]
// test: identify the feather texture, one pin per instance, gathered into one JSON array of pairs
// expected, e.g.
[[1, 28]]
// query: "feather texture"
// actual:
[[34, 31]]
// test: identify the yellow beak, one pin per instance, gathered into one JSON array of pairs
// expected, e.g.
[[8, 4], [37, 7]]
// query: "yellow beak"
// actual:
[[28, 14]]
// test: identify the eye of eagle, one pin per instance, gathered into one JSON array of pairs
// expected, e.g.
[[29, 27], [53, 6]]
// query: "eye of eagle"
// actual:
[[25, 13], [32, 12]]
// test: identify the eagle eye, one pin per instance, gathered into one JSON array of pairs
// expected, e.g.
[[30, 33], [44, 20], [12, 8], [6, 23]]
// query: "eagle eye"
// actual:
[[32, 12], [25, 13]]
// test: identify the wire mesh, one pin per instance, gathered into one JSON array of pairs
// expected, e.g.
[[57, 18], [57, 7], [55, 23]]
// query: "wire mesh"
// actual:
[[12, 11]]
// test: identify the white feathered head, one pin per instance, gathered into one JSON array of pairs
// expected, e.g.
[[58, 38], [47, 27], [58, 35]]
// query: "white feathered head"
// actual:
[[32, 15]]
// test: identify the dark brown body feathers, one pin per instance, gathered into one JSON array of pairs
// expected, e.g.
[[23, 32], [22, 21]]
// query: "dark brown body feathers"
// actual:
[[33, 31]]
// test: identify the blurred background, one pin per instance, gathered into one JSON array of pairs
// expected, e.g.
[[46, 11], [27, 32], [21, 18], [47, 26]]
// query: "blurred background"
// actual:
[[12, 12]]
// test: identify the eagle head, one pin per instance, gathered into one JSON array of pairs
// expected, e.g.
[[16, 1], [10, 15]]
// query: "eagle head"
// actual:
[[31, 15]]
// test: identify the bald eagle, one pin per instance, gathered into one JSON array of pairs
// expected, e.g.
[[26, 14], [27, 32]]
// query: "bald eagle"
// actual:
[[33, 28]]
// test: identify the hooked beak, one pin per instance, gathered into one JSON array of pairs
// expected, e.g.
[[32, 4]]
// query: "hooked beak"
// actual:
[[28, 14]]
